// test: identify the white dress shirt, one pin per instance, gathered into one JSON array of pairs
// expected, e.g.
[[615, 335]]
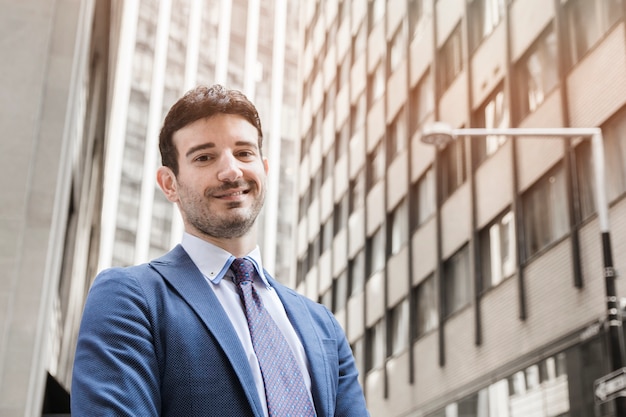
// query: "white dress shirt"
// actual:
[[214, 263]]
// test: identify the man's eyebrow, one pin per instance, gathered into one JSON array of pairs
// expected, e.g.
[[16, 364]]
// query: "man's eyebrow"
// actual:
[[247, 143], [199, 148]]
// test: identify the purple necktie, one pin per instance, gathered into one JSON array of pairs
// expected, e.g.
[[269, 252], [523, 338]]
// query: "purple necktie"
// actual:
[[285, 390]]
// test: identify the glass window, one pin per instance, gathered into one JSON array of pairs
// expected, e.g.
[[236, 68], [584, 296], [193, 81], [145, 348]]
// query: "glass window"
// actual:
[[328, 164], [375, 252], [313, 253], [492, 114], [356, 273], [303, 204], [423, 191], [422, 101], [484, 16], [457, 282], [399, 334], [453, 167], [546, 215], [343, 72], [342, 140], [451, 59], [327, 299], [538, 73], [397, 136], [357, 115], [587, 21], [375, 346], [614, 134], [399, 227], [326, 232], [340, 291], [357, 192], [375, 166], [416, 12], [376, 12], [358, 350], [376, 84], [359, 42], [585, 180], [340, 214], [397, 49], [426, 318], [497, 250], [615, 149], [329, 100]]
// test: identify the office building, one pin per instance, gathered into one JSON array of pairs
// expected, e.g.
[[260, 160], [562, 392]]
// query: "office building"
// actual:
[[469, 278], [86, 85], [166, 48], [54, 91]]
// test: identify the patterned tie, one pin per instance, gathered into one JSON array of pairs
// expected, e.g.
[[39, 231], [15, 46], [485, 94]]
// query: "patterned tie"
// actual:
[[285, 390]]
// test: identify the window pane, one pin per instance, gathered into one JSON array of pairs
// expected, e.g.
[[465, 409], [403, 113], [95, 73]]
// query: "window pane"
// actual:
[[453, 167], [399, 227], [546, 216], [492, 114], [356, 268], [538, 73], [340, 291], [399, 327], [375, 346], [615, 150], [376, 252], [426, 301], [457, 285], [451, 58], [587, 21], [376, 166], [498, 248]]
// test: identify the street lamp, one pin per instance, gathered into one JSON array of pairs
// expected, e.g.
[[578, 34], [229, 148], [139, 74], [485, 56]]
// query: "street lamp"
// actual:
[[440, 134]]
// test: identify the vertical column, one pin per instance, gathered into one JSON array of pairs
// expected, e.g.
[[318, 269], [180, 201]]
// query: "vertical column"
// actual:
[[142, 241]]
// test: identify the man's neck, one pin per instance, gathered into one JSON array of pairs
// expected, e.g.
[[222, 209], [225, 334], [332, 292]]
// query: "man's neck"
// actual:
[[238, 247]]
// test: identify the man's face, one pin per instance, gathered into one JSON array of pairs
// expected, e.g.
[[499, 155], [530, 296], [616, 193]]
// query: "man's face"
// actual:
[[220, 186]]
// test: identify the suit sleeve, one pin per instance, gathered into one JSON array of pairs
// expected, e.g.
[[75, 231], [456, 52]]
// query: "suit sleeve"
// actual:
[[116, 371], [349, 401]]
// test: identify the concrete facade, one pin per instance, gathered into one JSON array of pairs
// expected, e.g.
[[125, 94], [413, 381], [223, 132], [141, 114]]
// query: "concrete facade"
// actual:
[[453, 303], [52, 86]]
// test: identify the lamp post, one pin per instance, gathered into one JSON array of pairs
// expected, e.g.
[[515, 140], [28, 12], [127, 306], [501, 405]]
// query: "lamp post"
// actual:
[[440, 134]]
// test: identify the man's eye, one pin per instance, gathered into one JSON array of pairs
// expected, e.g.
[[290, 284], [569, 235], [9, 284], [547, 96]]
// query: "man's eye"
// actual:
[[246, 154], [202, 158]]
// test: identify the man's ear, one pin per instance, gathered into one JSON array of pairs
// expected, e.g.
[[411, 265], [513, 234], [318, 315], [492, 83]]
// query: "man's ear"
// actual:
[[266, 166], [167, 181]]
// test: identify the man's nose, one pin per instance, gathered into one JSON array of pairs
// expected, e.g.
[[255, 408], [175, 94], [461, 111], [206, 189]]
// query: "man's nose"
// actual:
[[229, 170]]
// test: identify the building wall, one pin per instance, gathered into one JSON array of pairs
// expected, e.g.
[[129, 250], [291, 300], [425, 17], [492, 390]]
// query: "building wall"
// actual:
[[53, 79], [548, 305]]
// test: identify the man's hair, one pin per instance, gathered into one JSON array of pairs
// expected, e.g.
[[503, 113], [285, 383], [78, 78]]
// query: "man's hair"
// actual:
[[200, 103]]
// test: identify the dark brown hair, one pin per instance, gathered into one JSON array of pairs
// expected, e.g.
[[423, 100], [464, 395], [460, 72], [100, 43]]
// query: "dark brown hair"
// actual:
[[199, 103]]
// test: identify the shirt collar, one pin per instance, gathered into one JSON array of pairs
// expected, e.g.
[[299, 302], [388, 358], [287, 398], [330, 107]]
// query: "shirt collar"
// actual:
[[214, 262]]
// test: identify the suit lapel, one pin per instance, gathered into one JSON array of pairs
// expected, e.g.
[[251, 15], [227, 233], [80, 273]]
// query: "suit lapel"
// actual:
[[177, 268]]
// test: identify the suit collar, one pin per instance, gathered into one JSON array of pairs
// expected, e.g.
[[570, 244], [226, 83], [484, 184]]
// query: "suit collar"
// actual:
[[177, 268]]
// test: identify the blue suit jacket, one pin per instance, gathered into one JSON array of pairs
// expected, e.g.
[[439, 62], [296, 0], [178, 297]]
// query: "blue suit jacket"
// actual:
[[154, 340]]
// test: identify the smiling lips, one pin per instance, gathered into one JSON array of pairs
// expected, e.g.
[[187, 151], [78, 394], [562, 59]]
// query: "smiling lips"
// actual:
[[231, 195]]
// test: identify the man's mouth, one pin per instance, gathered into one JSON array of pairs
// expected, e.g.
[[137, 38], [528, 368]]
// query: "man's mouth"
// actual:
[[231, 194]]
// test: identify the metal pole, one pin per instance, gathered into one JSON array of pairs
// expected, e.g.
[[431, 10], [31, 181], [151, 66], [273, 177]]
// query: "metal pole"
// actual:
[[614, 317]]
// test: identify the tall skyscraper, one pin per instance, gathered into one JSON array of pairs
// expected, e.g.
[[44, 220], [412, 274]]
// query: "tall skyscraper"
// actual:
[[86, 85], [53, 113], [166, 48]]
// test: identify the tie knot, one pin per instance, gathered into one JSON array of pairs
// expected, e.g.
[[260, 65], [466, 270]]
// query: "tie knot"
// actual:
[[243, 269]]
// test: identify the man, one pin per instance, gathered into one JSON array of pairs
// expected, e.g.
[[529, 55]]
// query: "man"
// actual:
[[172, 337]]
